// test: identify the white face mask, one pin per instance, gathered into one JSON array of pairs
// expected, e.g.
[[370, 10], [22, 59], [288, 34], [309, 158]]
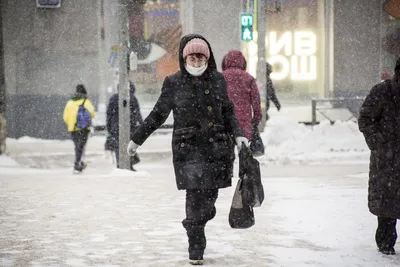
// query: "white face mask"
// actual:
[[196, 71]]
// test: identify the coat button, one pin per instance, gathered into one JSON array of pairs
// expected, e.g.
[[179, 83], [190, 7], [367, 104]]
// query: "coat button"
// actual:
[[209, 108], [183, 144], [211, 140], [207, 92], [210, 124]]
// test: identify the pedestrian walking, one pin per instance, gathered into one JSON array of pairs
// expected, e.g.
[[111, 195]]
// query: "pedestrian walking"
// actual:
[[271, 93], [113, 123], [78, 115], [243, 91], [204, 133], [379, 121]]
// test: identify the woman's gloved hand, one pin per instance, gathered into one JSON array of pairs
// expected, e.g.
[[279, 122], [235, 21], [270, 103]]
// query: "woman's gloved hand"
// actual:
[[132, 147], [240, 141]]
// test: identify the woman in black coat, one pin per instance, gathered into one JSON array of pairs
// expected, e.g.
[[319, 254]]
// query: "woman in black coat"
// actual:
[[379, 121], [205, 128]]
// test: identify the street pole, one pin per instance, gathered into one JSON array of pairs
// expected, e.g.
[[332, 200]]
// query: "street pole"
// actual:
[[101, 105], [261, 67], [123, 91], [3, 125], [329, 46]]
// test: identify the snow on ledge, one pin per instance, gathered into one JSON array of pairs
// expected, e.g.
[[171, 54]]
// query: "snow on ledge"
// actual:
[[6, 161]]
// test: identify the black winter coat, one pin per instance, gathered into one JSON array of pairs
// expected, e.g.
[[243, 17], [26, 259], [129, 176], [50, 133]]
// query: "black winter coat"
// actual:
[[113, 115], [379, 121], [204, 125], [271, 93]]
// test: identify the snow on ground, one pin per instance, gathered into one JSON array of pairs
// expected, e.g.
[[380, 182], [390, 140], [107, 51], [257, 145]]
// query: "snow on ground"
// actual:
[[315, 214], [312, 216], [287, 141], [6, 161], [29, 145]]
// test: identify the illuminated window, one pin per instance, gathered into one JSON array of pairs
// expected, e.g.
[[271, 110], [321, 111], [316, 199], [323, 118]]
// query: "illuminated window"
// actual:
[[293, 55]]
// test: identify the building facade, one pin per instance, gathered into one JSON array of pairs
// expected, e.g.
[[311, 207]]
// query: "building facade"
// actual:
[[47, 52], [318, 48], [325, 48]]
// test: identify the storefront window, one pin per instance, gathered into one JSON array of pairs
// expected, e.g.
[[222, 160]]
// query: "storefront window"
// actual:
[[155, 31], [295, 46]]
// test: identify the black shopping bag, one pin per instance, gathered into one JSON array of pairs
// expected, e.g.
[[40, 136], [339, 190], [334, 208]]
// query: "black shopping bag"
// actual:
[[135, 159], [249, 172], [241, 216], [256, 144]]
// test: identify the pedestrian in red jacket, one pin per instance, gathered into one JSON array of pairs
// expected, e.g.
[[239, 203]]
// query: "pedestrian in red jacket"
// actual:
[[243, 91]]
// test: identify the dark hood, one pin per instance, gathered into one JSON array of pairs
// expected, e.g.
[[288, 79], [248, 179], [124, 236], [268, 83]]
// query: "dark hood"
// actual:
[[234, 59], [132, 88], [78, 96], [185, 39]]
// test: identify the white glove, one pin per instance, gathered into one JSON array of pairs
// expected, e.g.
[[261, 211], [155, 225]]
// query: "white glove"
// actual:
[[241, 141], [132, 147]]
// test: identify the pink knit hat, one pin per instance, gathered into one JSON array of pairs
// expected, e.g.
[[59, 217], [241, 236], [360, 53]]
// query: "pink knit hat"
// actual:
[[196, 46]]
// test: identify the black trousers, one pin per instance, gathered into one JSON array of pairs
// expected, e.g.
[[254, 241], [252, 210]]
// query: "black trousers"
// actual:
[[386, 234], [200, 208], [80, 139]]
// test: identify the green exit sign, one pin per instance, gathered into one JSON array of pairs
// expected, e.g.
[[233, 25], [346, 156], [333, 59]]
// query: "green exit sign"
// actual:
[[246, 20]]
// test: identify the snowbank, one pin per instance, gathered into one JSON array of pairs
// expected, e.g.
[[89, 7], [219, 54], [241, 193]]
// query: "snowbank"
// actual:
[[28, 139], [6, 161], [288, 141]]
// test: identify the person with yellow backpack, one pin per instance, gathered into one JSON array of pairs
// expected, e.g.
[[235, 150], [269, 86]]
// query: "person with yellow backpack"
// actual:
[[78, 115]]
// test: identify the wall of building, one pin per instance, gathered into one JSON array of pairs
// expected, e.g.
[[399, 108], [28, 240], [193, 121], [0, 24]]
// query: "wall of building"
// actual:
[[47, 52], [218, 22], [357, 46], [2, 79]]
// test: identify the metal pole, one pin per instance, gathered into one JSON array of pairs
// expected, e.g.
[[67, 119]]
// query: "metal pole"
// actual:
[[313, 112], [101, 105], [3, 124], [2, 75], [261, 68], [123, 91], [329, 48]]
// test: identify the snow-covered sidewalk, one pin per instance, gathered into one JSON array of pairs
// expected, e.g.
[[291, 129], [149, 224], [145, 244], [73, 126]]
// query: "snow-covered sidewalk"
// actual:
[[290, 142], [312, 216], [287, 142]]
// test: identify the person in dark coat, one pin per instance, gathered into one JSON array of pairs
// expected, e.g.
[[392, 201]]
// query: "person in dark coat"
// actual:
[[271, 94], [379, 121], [113, 122], [243, 91], [205, 127]]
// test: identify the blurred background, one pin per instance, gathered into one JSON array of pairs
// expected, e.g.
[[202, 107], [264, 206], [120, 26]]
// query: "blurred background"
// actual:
[[318, 49]]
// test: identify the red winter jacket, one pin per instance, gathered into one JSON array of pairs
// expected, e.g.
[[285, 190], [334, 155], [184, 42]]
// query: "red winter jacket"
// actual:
[[242, 90]]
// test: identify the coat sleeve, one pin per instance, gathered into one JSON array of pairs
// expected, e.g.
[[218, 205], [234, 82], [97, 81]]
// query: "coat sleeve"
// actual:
[[109, 114], [228, 112], [255, 101], [370, 113], [157, 116]]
